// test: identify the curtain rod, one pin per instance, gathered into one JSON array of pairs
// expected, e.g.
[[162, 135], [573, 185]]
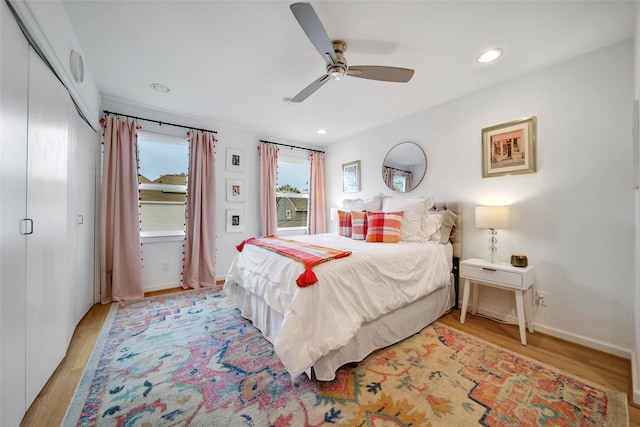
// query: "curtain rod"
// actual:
[[399, 170], [292, 146], [157, 121]]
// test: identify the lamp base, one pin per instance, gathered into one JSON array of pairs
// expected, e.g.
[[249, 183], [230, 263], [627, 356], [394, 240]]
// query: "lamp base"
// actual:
[[492, 245]]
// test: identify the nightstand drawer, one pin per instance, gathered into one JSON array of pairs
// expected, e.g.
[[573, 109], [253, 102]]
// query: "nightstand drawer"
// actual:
[[491, 275]]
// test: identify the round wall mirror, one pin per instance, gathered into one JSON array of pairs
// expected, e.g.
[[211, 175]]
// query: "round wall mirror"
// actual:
[[404, 167]]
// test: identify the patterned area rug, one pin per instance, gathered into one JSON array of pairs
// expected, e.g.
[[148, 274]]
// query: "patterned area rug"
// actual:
[[190, 359]]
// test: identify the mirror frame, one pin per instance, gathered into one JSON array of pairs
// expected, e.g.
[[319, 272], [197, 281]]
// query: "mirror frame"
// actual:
[[424, 172]]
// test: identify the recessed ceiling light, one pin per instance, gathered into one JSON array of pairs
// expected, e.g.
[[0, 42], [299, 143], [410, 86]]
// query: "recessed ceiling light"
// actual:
[[490, 55], [159, 87], [321, 131]]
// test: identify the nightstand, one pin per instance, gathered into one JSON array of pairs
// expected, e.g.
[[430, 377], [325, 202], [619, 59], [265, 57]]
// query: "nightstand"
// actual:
[[498, 275]]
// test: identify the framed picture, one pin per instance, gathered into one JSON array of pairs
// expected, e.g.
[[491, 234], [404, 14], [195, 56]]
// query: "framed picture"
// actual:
[[235, 190], [509, 148], [351, 177], [235, 160], [235, 220]]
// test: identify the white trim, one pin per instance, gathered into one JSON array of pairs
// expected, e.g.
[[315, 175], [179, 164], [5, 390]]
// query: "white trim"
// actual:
[[38, 37], [293, 195], [161, 138], [161, 236], [161, 287], [565, 335], [165, 188], [634, 379]]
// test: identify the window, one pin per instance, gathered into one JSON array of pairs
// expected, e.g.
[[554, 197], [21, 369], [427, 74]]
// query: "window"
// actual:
[[292, 193], [163, 162], [399, 183]]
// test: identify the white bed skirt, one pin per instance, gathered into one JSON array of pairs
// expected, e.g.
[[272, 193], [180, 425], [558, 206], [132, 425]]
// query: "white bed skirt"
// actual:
[[389, 329]]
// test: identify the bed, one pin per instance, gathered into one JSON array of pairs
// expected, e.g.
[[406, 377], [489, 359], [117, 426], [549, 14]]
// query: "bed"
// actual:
[[380, 294]]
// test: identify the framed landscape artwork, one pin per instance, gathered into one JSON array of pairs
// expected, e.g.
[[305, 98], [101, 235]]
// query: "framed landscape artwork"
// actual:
[[509, 148], [351, 177]]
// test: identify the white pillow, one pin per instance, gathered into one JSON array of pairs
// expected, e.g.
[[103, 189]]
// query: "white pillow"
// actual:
[[446, 229], [369, 205], [431, 226], [414, 210]]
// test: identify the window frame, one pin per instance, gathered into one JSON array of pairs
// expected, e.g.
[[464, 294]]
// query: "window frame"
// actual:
[[163, 235], [300, 158]]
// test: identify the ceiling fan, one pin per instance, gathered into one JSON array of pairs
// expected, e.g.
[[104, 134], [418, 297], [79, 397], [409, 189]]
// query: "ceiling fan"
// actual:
[[333, 54]]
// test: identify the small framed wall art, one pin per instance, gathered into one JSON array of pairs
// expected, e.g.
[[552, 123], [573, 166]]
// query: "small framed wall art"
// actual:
[[235, 220], [509, 148], [235, 160], [351, 177], [235, 190]]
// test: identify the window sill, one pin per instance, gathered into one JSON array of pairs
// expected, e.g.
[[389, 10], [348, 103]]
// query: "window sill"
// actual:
[[292, 231], [161, 236]]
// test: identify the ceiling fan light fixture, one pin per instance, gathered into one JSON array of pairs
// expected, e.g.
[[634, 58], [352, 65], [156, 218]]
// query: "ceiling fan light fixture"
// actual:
[[336, 75], [336, 72], [490, 55]]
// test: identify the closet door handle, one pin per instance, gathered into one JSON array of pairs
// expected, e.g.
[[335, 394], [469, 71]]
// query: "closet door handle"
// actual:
[[27, 226]]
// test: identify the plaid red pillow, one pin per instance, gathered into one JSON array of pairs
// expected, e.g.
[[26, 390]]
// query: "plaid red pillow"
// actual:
[[384, 226], [344, 223], [359, 225]]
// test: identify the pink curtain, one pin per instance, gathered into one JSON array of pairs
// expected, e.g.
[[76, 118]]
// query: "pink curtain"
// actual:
[[120, 255], [198, 268], [268, 176], [317, 211], [388, 177], [408, 181]]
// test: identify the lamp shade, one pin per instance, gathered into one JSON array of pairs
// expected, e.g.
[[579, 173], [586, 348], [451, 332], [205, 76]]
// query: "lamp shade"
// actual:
[[492, 216]]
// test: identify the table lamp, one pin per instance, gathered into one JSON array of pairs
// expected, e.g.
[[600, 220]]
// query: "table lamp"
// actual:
[[492, 217]]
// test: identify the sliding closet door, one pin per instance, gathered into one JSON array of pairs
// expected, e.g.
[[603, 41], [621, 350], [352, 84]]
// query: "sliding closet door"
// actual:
[[48, 285], [14, 89], [83, 149]]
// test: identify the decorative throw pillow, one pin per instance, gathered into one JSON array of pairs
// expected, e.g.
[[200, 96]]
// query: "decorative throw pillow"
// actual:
[[344, 223], [447, 229], [447, 226], [384, 226], [415, 210], [358, 225]]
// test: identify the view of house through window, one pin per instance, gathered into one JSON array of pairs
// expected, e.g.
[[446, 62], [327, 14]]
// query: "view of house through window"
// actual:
[[292, 192], [163, 162]]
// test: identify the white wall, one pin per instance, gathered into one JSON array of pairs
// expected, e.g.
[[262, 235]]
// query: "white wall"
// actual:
[[47, 22], [574, 218], [635, 361], [155, 250]]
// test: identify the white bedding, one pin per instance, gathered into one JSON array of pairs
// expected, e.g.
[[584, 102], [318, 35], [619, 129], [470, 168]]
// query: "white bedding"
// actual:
[[376, 279]]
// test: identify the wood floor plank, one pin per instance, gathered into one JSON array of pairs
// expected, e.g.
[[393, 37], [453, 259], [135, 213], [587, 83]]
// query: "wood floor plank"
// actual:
[[607, 370]]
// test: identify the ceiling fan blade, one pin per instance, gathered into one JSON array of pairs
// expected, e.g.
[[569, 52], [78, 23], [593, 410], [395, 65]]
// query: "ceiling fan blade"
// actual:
[[311, 25], [375, 72], [317, 84]]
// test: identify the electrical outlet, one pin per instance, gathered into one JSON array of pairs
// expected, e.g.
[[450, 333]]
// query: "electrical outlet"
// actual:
[[542, 299], [165, 266]]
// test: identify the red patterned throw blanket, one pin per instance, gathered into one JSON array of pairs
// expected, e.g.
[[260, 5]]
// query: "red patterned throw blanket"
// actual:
[[308, 255]]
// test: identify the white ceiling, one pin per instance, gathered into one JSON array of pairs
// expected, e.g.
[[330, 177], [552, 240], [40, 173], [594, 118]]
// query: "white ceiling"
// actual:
[[240, 61]]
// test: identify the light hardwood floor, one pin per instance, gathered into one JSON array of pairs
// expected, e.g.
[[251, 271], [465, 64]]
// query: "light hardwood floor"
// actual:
[[601, 368]]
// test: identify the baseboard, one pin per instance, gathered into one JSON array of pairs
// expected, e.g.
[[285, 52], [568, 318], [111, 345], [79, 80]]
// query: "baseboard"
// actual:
[[634, 379], [565, 335], [161, 287], [165, 286]]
